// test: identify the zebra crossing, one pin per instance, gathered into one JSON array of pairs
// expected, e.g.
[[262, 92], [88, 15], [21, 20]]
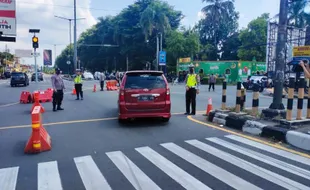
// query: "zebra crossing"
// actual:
[[241, 159]]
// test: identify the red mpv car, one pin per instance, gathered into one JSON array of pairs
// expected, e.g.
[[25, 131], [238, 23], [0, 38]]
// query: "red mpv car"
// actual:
[[144, 94]]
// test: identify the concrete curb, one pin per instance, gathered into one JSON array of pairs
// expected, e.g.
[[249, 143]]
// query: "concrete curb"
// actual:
[[250, 125], [298, 139]]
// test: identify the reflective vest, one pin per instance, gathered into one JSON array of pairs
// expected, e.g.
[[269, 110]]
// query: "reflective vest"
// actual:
[[78, 79], [191, 80]]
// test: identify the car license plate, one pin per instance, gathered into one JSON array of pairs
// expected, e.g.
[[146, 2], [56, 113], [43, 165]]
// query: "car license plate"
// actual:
[[145, 98]]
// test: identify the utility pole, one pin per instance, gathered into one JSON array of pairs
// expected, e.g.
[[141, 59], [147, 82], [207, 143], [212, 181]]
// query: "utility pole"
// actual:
[[277, 108], [74, 36], [55, 54], [127, 63], [6, 56], [70, 32], [157, 52]]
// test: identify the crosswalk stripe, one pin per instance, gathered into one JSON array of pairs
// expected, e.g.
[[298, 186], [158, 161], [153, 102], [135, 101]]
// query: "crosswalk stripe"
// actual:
[[257, 170], [134, 175], [263, 158], [270, 149], [172, 170], [8, 178], [221, 174], [90, 174], [48, 176]]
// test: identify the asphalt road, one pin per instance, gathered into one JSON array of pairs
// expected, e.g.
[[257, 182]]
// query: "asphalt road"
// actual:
[[91, 150]]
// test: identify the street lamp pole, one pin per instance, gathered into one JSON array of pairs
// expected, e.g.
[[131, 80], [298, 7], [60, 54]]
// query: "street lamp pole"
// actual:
[[70, 32], [74, 36]]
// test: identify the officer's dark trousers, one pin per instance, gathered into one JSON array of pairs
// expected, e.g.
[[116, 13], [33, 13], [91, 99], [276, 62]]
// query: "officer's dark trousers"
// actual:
[[211, 85], [191, 98], [79, 91], [57, 98], [101, 85]]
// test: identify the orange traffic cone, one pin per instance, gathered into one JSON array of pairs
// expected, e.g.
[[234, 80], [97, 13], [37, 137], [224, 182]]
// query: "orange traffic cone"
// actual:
[[209, 107], [73, 91], [94, 90]]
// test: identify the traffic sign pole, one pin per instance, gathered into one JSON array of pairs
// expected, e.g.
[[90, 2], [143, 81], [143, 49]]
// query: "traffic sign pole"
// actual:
[[35, 63]]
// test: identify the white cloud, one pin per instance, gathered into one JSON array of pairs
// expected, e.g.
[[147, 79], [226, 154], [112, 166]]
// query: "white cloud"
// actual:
[[40, 14], [200, 15]]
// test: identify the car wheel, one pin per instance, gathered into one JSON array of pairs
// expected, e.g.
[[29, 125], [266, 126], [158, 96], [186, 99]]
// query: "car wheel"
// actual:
[[12, 85], [122, 121], [165, 120]]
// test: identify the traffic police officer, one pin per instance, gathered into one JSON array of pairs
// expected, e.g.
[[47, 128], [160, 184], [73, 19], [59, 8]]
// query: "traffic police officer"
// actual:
[[192, 82], [78, 84], [58, 86]]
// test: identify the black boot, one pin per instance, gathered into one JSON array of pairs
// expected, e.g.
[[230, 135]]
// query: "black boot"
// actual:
[[54, 108], [59, 108]]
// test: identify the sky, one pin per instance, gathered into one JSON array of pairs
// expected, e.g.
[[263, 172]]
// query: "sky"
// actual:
[[54, 32]]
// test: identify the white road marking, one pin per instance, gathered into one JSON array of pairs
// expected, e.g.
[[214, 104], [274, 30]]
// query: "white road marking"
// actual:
[[263, 158], [134, 174], [176, 173], [272, 150], [90, 174], [48, 176], [8, 178], [221, 174], [257, 170]]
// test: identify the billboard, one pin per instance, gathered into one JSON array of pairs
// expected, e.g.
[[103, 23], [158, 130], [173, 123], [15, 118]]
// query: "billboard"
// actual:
[[47, 57], [8, 17], [23, 53]]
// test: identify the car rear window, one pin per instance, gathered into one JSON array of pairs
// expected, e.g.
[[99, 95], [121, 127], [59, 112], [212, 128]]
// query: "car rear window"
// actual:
[[142, 80], [18, 74]]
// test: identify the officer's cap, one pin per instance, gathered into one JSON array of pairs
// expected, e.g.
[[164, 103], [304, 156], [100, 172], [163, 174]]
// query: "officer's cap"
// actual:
[[191, 65], [78, 70], [57, 69]]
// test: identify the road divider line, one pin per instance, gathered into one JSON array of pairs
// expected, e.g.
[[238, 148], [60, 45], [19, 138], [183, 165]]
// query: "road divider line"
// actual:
[[249, 137], [76, 121], [10, 104]]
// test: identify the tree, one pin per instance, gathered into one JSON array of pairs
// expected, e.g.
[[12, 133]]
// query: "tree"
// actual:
[[253, 39], [127, 34], [220, 22], [230, 47], [184, 43], [297, 15]]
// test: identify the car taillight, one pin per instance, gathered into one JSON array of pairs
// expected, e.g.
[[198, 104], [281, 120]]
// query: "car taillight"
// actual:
[[168, 94], [121, 95]]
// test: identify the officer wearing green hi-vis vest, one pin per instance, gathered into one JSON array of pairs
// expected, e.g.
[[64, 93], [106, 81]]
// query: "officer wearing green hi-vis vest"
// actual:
[[78, 84], [192, 82]]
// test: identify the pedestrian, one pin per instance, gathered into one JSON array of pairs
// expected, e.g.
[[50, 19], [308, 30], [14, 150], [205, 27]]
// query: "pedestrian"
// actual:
[[78, 85], [305, 66], [192, 83], [212, 81], [101, 78], [58, 86]]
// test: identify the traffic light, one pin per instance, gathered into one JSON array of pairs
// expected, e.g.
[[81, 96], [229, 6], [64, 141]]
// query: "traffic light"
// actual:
[[35, 42]]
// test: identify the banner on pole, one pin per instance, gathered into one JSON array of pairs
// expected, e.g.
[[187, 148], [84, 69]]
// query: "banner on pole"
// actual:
[[8, 17], [47, 57]]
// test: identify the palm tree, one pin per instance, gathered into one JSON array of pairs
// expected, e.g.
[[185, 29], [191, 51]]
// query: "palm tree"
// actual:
[[218, 10], [153, 19], [296, 15]]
